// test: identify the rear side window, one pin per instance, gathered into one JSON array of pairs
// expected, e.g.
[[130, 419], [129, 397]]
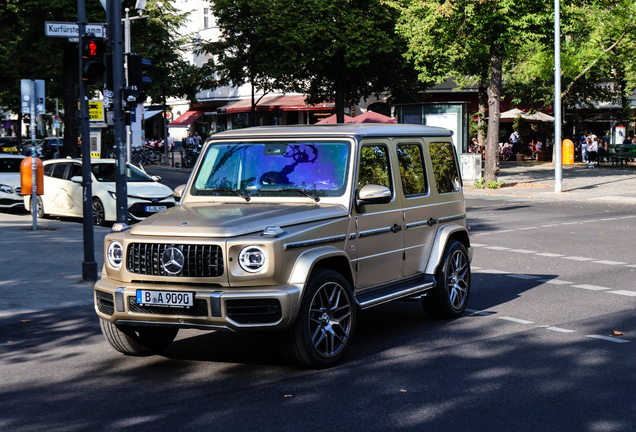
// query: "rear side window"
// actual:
[[444, 167], [412, 169], [48, 169], [76, 170], [58, 170], [374, 166]]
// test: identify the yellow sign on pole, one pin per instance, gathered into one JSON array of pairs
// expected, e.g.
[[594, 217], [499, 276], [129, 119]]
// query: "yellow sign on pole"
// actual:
[[96, 110]]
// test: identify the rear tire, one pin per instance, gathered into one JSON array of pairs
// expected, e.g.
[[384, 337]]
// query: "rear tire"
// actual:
[[39, 208], [138, 341], [325, 324], [450, 296]]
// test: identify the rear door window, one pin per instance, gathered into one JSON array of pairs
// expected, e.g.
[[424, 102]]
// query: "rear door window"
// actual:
[[58, 170], [412, 172], [374, 166]]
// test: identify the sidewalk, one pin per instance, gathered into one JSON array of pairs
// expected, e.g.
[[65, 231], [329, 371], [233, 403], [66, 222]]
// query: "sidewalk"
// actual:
[[536, 180], [43, 269]]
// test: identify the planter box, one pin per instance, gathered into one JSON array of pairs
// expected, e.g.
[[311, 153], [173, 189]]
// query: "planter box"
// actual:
[[543, 155], [520, 157]]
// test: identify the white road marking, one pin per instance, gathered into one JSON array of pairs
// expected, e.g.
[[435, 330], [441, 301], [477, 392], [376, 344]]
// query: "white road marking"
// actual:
[[627, 217], [606, 219], [590, 287], [492, 271], [561, 330], [523, 276], [497, 248], [527, 228], [608, 338], [477, 245], [593, 220], [476, 268], [548, 254], [517, 320], [556, 282], [547, 226], [624, 292], [631, 265], [609, 262], [575, 258], [525, 251], [502, 231], [570, 223]]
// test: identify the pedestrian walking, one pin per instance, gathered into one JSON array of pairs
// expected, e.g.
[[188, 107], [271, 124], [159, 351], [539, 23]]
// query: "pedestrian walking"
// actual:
[[198, 141]]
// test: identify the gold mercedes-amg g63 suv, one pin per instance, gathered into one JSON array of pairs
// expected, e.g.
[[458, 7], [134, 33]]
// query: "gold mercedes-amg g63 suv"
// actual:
[[293, 229]]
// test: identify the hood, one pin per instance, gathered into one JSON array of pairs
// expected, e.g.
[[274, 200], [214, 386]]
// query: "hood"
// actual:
[[143, 189], [232, 219], [10, 179]]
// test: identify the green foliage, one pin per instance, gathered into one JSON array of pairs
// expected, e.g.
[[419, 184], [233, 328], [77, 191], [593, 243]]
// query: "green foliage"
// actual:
[[160, 40], [494, 184], [333, 50], [479, 184]]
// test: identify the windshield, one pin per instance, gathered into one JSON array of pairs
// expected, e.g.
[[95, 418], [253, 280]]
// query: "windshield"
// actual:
[[273, 168], [105, 172], [10, 165]]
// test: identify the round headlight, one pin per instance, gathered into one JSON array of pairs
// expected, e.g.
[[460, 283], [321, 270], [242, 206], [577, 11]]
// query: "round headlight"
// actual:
[[252, 259], [115, 254]]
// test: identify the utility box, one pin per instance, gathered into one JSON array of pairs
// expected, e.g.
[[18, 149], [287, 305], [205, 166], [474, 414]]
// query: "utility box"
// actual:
[[471, 168]]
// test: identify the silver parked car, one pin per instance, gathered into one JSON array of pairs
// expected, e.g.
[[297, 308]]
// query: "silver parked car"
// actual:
[[294, 229]]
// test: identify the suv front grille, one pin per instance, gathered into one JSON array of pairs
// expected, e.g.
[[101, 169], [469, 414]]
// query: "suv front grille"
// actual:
[[256, 311], [199, 260], [105, 302]]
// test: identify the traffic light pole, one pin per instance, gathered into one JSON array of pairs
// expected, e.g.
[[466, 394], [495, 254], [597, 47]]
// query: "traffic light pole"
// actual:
[[89, 266], [116, 42]]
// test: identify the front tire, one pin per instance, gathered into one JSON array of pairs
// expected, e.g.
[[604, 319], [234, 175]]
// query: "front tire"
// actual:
[[450, 296], [138, 341], [99, 215], [322, 332]]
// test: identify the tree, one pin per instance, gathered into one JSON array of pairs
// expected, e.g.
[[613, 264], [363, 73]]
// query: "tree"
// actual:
[[159, 40], [27, 54], [334, 50], [449, 38]]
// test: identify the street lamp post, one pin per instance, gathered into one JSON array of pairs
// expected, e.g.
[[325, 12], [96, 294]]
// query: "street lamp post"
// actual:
[[127, 47], [558, 170]]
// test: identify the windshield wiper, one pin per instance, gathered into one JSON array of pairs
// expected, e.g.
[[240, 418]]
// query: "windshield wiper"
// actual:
[[243, 195], [307, 194]]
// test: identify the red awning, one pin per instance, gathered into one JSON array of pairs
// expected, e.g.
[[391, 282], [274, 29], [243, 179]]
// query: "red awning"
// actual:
[[274, 103], [187, 118]]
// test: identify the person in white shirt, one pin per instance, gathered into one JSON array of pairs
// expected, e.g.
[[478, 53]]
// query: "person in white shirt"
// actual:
[[592, 149]]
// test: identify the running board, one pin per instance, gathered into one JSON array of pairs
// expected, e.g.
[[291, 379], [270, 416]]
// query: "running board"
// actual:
[[387, 293]]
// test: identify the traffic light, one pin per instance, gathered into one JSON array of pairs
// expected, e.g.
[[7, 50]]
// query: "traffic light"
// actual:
[[137, 82], [93, 60]]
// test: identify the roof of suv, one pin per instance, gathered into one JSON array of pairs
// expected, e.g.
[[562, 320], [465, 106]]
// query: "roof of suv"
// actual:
[[346, 129]]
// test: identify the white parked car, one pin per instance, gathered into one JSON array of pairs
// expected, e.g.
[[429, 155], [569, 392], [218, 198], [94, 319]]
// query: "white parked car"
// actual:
[[63, 191], [10, 181]]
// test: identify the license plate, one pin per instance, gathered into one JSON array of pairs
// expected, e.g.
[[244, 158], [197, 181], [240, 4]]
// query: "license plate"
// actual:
[[165, 298], [155, 209]]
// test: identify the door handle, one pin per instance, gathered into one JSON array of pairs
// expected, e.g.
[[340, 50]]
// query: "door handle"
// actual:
[[396, 228], [432, 222]]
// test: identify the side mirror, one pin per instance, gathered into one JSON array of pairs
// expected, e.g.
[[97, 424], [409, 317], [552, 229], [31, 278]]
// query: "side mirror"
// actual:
[[178, 191], [76, 179], [156, 178], [372, 194]]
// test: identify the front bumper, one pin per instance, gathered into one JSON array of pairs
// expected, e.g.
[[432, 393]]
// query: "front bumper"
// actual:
[[215, 308]]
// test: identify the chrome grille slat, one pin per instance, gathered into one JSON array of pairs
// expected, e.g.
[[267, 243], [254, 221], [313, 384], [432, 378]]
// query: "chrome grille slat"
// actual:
[[200, 260]]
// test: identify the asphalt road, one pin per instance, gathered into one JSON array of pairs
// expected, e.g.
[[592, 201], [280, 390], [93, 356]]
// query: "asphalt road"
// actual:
[[551, 282]]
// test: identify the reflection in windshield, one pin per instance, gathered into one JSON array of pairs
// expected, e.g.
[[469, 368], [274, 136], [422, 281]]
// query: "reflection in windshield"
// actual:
[[105, 172], [271, 168]]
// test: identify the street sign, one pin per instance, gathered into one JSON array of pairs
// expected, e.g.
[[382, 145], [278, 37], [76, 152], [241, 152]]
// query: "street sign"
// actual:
[[96, 110], [71, 30], [73, 40], [26, 96]]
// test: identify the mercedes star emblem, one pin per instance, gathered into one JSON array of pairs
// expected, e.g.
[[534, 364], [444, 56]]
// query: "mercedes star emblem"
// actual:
[[172, 260]]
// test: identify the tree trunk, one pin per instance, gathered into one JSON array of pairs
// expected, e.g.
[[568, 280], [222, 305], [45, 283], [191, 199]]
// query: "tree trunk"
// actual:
[[482, 96], [71, 80], [250, 121], [340, 95], [494, 99]]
